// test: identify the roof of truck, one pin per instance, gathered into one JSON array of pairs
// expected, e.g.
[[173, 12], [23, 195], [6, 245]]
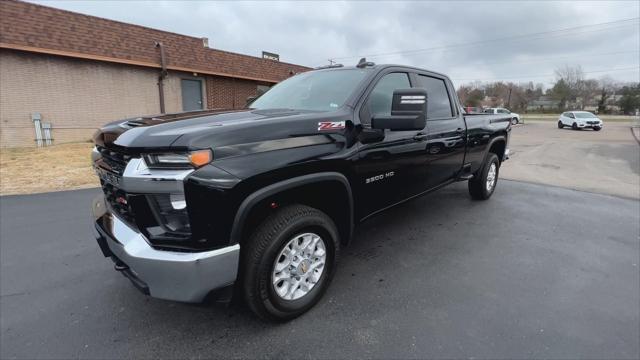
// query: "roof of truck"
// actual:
[[378, 67]]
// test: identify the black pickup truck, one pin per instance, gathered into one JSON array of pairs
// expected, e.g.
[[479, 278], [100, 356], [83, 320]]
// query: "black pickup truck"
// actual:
[[258, 202]]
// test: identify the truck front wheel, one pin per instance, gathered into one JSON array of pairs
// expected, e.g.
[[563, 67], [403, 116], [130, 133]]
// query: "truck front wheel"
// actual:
[[482, 185], [289, 262]]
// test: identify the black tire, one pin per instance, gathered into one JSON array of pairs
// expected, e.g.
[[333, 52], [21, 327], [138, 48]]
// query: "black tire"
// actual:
[[597, 128], [265, 244], [574, 126], [514, 121], [477, 185], [560, 125]]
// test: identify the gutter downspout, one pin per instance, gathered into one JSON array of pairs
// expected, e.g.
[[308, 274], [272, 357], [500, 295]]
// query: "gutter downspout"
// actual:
[[163, 75]]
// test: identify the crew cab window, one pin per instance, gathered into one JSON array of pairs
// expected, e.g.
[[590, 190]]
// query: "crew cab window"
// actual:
[[503, 111], [489, 111], [438, 103], [382, 94]]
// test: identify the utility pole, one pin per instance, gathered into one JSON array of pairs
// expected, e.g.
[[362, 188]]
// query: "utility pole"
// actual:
[[509, 98]]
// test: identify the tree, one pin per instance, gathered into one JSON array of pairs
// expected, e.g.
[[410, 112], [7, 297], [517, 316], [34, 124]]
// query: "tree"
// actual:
[[602, 102], [475, 98], [573, 81], [630, 101], [561, 92]]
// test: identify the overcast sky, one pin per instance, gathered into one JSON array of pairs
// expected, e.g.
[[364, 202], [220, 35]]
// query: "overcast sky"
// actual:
[[478, 40]]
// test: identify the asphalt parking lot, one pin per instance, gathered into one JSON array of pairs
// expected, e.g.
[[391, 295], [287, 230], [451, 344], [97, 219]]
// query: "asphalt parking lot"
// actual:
[[537, 271], [606, 161]]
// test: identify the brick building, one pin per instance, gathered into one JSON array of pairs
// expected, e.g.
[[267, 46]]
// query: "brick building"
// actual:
[[79, 72]]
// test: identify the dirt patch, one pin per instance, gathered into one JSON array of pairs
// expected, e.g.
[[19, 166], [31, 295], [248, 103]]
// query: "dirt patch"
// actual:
[[54, 168]]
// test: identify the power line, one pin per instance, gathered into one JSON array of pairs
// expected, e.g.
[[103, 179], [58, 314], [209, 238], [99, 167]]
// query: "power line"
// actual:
[[553, 58], [548, 75], [405, 52]]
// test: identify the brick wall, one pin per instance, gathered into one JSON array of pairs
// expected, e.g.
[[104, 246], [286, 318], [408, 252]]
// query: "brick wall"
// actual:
[[32, 27], [230, 93], [76, 96]]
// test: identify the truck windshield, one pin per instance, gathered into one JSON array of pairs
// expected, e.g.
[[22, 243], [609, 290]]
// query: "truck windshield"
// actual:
[[314, 91]]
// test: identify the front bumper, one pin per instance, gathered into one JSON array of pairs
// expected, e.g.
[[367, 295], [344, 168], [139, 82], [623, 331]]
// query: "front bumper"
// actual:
[[170, 275], [584, 125]]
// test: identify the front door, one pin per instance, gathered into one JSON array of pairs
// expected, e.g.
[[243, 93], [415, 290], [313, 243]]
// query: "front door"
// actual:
[[390, 170], [191, 95]]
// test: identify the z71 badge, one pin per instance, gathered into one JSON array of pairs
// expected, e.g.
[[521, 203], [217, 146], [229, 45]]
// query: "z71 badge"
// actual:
[[330, 125]]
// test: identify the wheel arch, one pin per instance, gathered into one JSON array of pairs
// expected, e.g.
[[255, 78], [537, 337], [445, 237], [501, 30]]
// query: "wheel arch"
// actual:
[[498, 146], [303, 190]]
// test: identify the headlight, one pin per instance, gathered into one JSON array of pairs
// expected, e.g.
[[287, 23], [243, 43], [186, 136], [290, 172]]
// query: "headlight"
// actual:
[[179, 160]]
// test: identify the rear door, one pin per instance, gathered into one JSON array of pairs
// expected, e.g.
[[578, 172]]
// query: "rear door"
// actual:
[[446, 131]]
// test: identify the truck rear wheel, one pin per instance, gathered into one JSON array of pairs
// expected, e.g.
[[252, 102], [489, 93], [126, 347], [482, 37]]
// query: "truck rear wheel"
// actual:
[[481, 187], [289, 262]]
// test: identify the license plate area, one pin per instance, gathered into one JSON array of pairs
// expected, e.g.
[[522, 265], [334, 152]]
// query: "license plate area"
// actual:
[[109, 177]]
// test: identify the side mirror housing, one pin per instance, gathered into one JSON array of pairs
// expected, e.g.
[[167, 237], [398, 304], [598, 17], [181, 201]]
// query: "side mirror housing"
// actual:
[[250, 99], [408, 111]]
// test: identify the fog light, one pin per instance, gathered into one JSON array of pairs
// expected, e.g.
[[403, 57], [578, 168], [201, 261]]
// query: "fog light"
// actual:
[[177, 201]]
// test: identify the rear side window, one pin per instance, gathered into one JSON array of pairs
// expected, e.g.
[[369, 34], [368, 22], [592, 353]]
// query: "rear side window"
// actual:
[[438, 104], [382, 95]]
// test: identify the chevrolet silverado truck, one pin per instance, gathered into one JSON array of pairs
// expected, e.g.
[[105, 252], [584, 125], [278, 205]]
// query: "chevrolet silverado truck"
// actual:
[[258, 202]]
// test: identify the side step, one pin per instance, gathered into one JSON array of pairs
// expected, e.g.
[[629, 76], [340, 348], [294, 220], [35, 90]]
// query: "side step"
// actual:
[[465, 173]]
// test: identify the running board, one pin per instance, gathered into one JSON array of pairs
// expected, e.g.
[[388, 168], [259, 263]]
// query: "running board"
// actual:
[[465, 173]]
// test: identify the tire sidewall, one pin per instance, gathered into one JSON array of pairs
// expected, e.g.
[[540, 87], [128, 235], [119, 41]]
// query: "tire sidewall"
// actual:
[[291, 308], [493, 158]]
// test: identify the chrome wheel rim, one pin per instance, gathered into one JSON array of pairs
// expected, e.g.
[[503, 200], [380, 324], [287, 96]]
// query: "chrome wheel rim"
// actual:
[[491, 176], [299, 266]]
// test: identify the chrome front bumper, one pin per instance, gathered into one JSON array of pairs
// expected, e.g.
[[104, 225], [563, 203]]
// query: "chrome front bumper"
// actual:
[[170, 275]]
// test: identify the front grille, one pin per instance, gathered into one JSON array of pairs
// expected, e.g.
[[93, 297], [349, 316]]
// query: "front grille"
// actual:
[[113, 160], [592, 122], [118, 201]]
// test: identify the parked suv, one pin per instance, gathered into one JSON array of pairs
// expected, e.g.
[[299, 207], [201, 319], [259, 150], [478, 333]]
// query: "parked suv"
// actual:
[[580, 120], [262, 200]]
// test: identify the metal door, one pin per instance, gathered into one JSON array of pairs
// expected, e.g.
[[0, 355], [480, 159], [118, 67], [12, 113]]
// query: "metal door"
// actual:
[[390, 170], [191, 95]]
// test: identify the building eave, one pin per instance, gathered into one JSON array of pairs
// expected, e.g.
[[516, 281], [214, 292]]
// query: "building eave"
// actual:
[[126, 61]]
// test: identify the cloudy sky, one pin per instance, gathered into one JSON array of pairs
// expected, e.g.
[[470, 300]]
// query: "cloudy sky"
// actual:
[[481, 40]]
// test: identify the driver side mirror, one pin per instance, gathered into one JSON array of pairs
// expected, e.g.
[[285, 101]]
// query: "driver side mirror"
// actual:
[[408, 111], [250, 99]]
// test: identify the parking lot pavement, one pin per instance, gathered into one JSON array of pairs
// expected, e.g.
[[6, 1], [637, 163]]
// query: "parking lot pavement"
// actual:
[[606, 161], [537, 271]]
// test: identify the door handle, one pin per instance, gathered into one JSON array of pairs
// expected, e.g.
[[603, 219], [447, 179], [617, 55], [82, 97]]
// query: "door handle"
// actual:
[[460, 130], [420, 136]]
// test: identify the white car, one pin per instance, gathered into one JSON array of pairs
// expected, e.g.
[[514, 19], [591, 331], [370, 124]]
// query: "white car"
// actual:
[[579, 120], [514, 119]]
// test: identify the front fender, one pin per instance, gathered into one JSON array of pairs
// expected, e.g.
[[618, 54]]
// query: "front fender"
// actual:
[[263, 193]]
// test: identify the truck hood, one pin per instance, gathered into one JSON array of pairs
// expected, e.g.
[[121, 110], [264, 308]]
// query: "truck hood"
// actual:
[[200, 130]]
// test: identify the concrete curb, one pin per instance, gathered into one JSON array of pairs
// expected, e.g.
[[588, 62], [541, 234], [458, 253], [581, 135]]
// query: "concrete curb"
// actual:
[[635, 131]]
